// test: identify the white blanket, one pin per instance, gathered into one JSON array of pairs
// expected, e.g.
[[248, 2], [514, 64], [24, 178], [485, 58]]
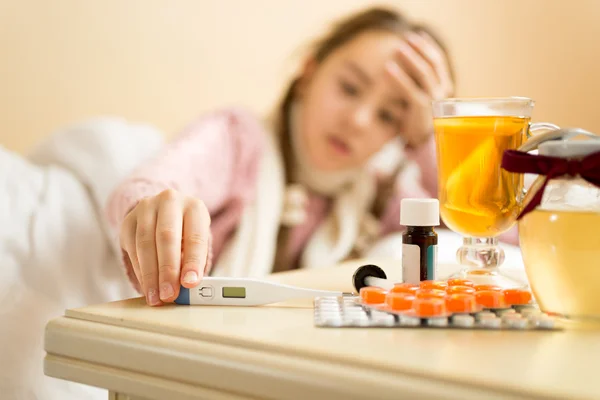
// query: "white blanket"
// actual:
[[56, 251]]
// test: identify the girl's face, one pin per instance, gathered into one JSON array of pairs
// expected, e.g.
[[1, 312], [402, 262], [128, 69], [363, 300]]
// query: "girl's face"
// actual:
[[350, 106]]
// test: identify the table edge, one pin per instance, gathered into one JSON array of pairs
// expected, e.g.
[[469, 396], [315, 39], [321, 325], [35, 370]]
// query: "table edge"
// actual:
[[258, 373]]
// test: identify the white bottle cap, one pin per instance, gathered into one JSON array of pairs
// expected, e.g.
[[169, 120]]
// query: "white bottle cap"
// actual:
[[569, 148], [420, 212]]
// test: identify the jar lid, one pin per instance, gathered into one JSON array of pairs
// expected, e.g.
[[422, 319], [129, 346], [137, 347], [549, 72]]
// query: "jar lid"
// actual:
[[420, 212], [569, 148]]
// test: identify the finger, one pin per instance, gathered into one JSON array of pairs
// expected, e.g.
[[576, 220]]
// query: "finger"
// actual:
[[131, 261], [127, 240], [416, 67], [431, 51], [136, 272], [169, 224], [196, 230], [209, 256], [403, 81], [145, 240], [425, 49]]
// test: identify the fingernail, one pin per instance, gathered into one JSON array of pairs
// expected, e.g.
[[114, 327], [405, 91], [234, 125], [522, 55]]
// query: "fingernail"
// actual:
[[190, 277], [166, 291], [153, 299]]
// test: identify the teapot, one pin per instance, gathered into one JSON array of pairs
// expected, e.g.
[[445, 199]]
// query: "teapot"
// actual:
[[559, 222]]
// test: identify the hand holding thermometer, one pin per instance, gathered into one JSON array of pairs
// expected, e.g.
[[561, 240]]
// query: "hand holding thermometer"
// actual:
[[222, 291]]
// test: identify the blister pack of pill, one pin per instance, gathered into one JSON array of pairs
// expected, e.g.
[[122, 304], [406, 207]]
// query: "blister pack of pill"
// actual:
[[434, 304]]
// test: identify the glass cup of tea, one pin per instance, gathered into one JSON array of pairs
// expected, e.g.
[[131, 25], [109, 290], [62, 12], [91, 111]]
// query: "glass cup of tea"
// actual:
[[479, 199]]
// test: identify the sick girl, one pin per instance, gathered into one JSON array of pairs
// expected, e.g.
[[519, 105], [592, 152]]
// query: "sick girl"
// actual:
[[316, 183]]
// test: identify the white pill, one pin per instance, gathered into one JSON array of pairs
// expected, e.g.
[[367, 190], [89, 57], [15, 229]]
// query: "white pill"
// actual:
[[485, 315], [437, 321], [510, 311], [518, 323], [543, 321], [511, 317], [464, 321], [410, 321], [526, 312], [546, 323], [537, 317], [491, 322]]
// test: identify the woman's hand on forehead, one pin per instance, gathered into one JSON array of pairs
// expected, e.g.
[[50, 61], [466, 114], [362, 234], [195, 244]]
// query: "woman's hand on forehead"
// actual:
[[421, 73]]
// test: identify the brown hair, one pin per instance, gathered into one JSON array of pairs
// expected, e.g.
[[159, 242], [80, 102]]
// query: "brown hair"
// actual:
[[342, 32]]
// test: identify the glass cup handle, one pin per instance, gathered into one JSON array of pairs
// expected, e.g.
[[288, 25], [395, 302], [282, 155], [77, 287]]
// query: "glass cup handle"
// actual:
[[552, 132], [535, 128], [536, 134]]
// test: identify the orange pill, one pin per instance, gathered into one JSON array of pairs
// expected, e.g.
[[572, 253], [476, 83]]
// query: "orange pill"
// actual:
[[460, 282], [372, 295], [404, 288], [460, 289], [517, 296], [429, 307], [430, 294], [399, 301], [491, 299], [461, 303], [440, 285], [488, 287]]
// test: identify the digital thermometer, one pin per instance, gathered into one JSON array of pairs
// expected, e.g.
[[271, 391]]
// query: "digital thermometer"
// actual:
[[217, 291]]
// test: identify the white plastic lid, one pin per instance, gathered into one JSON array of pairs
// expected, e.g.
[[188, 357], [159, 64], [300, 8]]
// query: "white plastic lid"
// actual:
[[420, 212], [569, 148]]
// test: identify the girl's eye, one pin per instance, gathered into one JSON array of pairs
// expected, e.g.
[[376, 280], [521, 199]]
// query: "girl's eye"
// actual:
[[387, 117], [348, 88]]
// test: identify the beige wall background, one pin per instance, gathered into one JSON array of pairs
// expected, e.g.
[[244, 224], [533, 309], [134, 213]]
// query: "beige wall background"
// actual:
[[166, 62]]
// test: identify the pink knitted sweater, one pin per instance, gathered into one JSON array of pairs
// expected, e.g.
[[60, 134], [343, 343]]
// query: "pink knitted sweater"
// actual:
[[216, 160]]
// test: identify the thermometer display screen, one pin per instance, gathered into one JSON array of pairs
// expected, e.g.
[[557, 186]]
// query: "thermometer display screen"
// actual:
[[234, 292]]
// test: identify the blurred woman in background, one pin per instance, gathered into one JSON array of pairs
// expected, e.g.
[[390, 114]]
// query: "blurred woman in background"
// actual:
[[246, 197]]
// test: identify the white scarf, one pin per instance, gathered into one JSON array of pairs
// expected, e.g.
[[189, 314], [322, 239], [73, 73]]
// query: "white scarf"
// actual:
[[251, 251]]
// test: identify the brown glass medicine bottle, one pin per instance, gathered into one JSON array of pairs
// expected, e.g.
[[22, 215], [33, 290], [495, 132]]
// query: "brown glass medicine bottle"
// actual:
[[419, 241]]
